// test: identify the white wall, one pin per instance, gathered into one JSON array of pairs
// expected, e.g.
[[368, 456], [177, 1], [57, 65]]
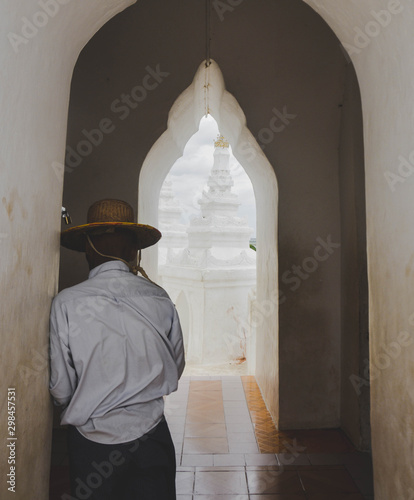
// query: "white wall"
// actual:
[[385, 68], [34, 95]]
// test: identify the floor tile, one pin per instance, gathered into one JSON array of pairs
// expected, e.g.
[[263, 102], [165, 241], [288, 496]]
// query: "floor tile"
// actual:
[[205, 427], [220, 483], [330, 481], [289, 459], [208, 417], [205, 445], [197, 460], [221, 497], [210, 385], [279, 497], [365, 485], [274, 481], [237, 419], [229, 459], [198, 429], [184, 482], [236, 410], [237, 428], [338, 496], [326, 458], [239, 404], [261, 459], [242, 437], [243, 447]]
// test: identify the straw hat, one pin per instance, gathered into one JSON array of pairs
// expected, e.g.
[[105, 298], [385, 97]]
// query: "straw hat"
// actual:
[[105, 216]]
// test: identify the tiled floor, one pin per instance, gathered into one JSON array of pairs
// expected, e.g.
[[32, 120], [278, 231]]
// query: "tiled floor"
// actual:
[[228, 448]]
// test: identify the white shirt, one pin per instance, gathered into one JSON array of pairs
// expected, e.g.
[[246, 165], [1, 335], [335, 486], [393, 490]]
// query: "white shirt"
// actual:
[[116, 349]]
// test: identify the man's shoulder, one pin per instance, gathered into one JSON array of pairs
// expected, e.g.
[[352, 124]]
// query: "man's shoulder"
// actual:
[[120, 285], [70, 293]]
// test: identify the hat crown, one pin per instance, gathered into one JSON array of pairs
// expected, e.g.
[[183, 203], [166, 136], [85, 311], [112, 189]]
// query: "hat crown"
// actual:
[[110, 211]]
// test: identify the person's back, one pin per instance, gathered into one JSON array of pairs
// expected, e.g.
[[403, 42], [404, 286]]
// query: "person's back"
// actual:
[[116, 350]]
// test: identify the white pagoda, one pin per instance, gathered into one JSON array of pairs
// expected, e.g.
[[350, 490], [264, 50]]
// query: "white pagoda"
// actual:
[[210, 279], [174, 234]]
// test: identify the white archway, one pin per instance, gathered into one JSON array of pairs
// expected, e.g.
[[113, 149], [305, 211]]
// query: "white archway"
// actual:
[[207, 94]]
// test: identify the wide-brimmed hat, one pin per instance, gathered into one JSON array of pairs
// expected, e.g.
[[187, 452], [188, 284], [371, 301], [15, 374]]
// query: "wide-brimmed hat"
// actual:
[[105, 216]]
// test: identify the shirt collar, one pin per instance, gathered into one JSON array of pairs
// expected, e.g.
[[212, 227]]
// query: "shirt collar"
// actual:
[[112, 265]]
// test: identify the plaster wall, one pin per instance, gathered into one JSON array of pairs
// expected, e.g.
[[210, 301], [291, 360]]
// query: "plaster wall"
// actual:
[[34, 95], [385, 70], [355, 393]]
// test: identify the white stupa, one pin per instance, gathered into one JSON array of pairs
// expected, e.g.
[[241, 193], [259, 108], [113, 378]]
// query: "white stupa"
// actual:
[[210, 279], [174, 234]]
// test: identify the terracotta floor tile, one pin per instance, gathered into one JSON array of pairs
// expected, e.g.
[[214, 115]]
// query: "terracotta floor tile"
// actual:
[[205, 403], [205, 396], [205, 430], [274, 481], [205, 385], [207, 416]]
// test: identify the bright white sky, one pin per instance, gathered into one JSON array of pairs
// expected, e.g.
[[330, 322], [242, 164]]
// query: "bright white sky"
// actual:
[[189, 175]]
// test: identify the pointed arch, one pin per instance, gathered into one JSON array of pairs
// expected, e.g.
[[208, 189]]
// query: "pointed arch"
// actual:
[[207, 94]]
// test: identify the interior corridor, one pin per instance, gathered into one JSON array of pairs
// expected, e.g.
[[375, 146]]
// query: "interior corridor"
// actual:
[[228, 448]]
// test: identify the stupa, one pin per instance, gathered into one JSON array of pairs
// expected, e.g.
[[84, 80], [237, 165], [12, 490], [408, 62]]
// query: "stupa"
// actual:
[[174, 234], [210, 279]]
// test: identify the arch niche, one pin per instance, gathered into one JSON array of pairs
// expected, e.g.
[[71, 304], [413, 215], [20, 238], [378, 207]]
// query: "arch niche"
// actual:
[[207, 94]]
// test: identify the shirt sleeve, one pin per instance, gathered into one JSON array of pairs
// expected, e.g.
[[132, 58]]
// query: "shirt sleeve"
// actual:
[[176, 339], [63, 379]]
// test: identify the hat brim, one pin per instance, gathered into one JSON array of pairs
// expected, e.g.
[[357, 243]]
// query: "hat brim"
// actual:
[[74, 238]]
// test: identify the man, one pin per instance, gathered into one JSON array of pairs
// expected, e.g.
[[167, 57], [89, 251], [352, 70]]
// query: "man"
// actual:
[[116, 349]]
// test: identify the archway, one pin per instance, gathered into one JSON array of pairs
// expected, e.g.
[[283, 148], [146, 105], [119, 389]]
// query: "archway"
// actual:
[[385, 139], [207, 216], [207, 94]]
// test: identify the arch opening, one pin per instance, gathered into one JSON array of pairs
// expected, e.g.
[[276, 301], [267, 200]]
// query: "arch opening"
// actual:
[[207, 215], [183, 120]]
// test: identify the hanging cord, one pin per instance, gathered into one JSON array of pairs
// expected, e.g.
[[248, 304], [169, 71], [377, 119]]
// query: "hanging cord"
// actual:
[[208, 32], [134, 269]]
